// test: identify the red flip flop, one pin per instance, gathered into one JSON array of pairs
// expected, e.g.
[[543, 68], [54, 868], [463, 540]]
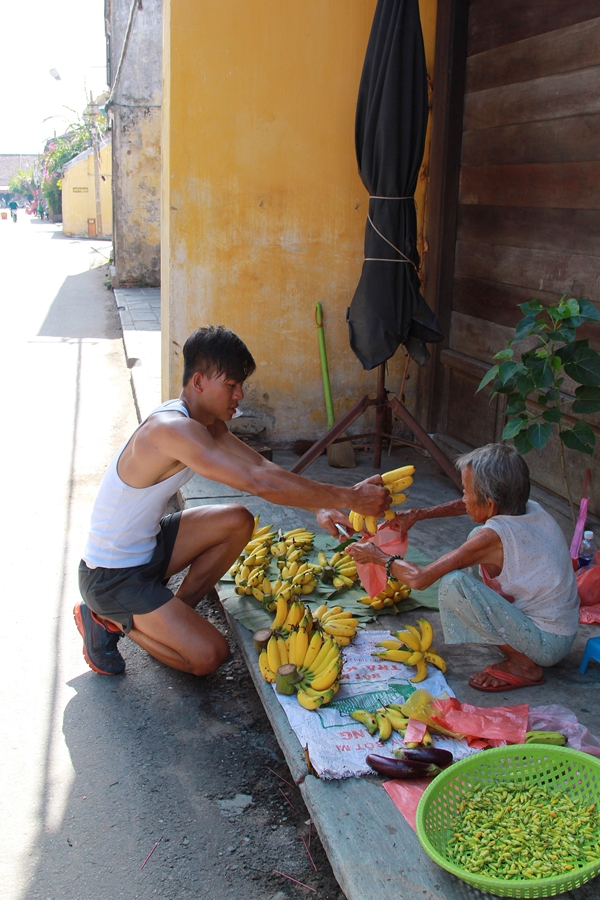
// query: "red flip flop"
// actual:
[[511, 682]]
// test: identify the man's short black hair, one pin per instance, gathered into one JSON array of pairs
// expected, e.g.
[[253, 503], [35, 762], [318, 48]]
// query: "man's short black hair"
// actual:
[[215, 350]]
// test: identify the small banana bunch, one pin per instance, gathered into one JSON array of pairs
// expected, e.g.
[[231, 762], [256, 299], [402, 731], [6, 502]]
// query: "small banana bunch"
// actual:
[[310, 661], [419, 651], [289, 615], [250, 572], [396, 482], [337, 623], [393, 593], [339, 571], [385, 720], [293, 544]]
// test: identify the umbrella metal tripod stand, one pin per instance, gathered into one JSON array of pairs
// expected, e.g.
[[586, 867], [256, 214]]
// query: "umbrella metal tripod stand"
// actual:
[[381, 402]]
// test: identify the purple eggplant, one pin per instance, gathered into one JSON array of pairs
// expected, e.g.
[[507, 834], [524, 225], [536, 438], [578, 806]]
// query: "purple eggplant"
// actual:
[[438, 757], [397, 768]]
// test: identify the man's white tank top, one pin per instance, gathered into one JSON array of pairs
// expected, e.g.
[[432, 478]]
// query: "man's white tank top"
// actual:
[[125, 520]]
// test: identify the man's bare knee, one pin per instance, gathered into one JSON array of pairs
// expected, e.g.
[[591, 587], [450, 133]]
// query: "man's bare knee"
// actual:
[[212, 658], [242, 518]]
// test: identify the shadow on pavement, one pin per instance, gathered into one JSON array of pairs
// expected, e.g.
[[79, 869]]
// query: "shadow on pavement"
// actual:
[[76, 313]]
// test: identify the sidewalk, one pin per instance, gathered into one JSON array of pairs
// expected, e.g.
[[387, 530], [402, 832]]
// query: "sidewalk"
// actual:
[[371, 848]]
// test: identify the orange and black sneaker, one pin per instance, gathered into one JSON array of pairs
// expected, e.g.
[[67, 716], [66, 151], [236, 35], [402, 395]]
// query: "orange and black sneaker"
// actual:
[[99, 641]]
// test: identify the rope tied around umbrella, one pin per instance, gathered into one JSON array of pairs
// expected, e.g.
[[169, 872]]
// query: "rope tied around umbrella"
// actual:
[[405, 258]]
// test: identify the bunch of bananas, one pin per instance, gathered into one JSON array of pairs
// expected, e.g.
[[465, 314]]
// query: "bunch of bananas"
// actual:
[[317, 659], [340, 570], [393, 593], [293, 544], [396, 482], [385, 720], [288, 616], [250, 571], [336, 622], [419, 652]]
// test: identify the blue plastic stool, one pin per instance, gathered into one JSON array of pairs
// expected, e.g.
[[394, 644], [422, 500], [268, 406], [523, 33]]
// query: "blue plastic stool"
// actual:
[[592, 651]]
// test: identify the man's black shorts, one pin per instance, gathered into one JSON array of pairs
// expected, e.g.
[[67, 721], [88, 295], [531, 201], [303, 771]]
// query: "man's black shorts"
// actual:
[[120, 594]]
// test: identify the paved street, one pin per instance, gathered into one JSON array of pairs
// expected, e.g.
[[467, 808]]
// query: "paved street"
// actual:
[[96, 770]]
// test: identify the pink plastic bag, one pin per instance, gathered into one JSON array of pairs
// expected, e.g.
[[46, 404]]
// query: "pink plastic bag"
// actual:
[[589, 615], [491, 723], [588, 584], [372, 575], [559, 718]]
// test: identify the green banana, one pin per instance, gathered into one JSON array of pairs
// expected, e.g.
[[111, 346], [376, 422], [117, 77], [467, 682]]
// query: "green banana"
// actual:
[[546, 737]]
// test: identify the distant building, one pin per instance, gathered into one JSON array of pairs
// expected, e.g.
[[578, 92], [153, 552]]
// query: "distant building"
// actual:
[[135, 78], [79, 212], [10, 164]]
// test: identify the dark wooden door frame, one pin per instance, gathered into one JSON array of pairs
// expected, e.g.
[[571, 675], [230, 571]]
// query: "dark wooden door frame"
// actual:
[[443, 191]]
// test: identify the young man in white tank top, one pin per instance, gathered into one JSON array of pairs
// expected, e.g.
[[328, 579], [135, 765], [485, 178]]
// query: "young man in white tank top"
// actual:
[[133, 549]]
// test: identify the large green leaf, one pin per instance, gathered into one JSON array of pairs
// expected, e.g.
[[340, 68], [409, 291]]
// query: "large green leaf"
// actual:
[[552, 414], [489, 376], [570, 351], [588, 311], [522, 443], [587, 400], [508, 369], [531, 307], [525, 328], [584, 367], [504, 354], [515, 406], [512, 427], [538, 434], [580, 437]]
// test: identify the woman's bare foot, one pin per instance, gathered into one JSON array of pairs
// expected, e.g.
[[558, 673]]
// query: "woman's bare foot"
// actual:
[[516, 665]]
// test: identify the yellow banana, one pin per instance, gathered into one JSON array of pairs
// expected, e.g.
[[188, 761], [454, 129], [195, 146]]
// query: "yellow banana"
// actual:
[[258, 595], [329, 612], [377, 604], [415, 633], [343, 629], [318, 667], [405, 637], [301, 648], [397, 499], [342, 640], [315, 644], [358, 522], [365, 718], [415, 658], [273, 657], [397, 720], [265, 669], [421, 671], [395, 474], [395, 487], [291, 647], [319, 659], [390, 515], [325, 679], [371, 524], [436, 660], [391, 645], [320, 611], [335, 558], [384, 724], [426, 634], [400, 656], [344, 614], [308, 702], [427, 740], [283, 653], [289, 534]]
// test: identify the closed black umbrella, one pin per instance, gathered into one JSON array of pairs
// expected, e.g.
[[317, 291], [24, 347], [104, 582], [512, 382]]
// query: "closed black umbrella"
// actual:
[[391, 120]]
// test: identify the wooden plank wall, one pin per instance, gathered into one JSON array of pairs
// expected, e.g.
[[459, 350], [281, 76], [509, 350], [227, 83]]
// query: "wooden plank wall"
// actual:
[[529, 197]]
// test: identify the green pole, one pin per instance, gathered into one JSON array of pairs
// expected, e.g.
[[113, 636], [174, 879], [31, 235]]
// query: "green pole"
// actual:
[[324, 368]]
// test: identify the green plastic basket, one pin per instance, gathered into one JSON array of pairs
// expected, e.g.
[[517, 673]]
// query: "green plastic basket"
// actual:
[[555, 768]]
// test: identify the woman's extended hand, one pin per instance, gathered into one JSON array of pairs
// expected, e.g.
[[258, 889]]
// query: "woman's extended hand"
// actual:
[[366, 552], [327, 519]]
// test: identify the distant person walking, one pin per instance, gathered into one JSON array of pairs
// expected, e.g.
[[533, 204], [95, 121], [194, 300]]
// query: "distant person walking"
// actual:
[[40, 210], [13, 206]]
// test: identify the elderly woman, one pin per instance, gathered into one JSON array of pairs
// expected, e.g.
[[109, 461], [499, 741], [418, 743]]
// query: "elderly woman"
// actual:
[[526, 603]]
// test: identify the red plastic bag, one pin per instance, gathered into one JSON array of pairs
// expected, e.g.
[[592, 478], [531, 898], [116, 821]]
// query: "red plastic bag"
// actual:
[[588, 584], [492, 723], [392, 543]]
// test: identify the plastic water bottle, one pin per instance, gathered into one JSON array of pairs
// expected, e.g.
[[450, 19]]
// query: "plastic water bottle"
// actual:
[[587, 548]]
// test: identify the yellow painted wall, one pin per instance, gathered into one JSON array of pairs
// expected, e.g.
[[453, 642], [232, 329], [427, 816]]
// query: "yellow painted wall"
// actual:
[[79, 206], [263, 210]]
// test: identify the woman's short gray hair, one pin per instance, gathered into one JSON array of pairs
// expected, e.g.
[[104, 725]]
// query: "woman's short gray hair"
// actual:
[[499, 474]]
